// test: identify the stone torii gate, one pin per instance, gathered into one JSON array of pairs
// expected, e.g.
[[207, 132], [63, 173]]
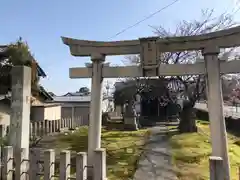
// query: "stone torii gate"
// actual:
[[150, 50]]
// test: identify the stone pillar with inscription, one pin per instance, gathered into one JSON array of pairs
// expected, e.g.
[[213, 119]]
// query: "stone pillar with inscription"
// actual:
[[130, 118], [20, 108]]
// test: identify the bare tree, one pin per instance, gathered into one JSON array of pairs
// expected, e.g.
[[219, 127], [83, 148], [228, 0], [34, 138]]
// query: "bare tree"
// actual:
[[193, 86]]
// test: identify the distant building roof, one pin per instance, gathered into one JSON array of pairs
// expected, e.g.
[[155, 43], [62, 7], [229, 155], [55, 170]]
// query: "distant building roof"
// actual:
[[44, 93], [72, 98], [76, 98], [46, 105], [74, 94]]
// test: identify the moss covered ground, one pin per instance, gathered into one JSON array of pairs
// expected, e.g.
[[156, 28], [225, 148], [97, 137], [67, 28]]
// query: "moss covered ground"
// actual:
[[123, 149], [191, 152]]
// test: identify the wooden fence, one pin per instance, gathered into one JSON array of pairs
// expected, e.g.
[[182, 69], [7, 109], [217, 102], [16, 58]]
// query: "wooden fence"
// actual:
[[17, 166], [45, 127]]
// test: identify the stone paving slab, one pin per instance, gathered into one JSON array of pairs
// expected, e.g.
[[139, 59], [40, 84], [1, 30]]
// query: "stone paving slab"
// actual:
[[155, 162]]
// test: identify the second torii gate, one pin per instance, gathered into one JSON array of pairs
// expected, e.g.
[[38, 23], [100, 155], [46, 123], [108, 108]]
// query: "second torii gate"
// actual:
[[150, 50]]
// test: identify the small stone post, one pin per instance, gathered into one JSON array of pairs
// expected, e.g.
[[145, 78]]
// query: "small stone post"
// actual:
[[49, 164], [22, 165], [59, 125], [38, 128], [68, 123], [46, 127], [34, 128], [71, 123], [8, 163], [72, 119], [130, 118], [20, 108], [53, 126], [34, 166], [42, 127], [50, 127], [99, 167], [65, 122], [56, 125], [216, 168], [81, 163], [65, 158]]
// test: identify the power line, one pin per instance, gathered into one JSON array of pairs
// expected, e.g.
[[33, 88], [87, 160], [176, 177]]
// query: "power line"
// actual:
[[236, 10], [148, 17]]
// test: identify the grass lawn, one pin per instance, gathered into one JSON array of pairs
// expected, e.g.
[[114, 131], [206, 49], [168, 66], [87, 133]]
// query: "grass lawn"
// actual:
[[123, 149], [192, 150]]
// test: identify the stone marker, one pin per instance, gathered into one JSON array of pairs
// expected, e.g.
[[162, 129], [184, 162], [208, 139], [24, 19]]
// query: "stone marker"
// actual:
[[20, 108]]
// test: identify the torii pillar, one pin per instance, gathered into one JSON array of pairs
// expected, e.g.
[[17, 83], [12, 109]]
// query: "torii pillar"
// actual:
[[215, 107], [95, 122]]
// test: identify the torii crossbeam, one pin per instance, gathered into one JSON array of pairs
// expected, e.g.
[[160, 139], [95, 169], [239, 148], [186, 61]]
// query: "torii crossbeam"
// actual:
[[150, 50], [229, 67]]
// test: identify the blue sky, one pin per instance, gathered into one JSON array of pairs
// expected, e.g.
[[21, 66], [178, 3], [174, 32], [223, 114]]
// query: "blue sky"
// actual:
[[42, 23]]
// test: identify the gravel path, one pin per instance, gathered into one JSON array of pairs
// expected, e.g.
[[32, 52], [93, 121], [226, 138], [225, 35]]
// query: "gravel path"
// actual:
[[155, 163]]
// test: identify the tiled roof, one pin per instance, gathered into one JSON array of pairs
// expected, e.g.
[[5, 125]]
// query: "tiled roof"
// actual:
[[45, 93], [72, 98], [40, 72], [74, 94], [46, 105], [76, 98]]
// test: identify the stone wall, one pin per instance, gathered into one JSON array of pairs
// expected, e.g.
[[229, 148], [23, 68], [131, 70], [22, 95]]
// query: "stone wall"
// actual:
[[232, 124]]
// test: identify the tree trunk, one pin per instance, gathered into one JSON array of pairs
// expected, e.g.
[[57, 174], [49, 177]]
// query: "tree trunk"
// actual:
[[187, 118]]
